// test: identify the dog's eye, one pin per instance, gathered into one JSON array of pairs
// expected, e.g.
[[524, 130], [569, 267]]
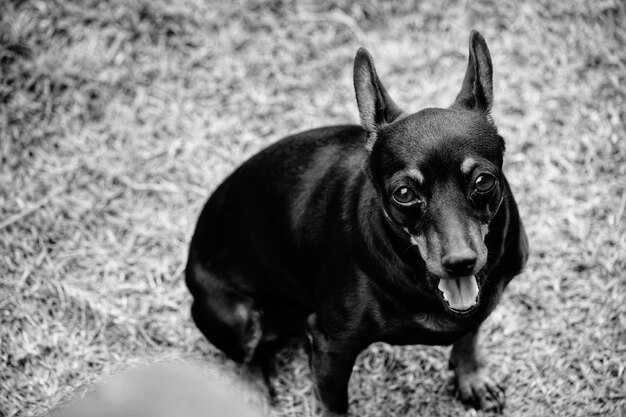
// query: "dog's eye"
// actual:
[[404, 195], [485, 183]]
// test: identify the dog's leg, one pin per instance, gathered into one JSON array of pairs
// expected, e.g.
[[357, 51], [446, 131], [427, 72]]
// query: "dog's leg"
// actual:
[[231, 325], [264, 363], [331, 364], [474, 386], [226, 317]]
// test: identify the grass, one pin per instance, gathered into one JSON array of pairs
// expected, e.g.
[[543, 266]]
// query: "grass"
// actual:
[[117, 119]]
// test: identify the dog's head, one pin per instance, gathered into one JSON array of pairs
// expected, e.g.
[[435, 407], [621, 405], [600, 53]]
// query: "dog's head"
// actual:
[[438, 173]]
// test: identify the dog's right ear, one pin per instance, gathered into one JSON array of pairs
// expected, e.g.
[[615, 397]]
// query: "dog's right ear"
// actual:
[[376, 108]]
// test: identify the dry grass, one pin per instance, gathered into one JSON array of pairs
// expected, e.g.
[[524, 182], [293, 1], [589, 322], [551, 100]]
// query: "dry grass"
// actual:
[[117, 118]]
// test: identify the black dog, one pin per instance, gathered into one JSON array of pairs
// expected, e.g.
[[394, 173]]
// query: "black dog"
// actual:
[[403, 230]]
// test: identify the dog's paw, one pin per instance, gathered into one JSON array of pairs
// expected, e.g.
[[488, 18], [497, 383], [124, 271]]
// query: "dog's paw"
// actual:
[[319, 410], [480, 391]]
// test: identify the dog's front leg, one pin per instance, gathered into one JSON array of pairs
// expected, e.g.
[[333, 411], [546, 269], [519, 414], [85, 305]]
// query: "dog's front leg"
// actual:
[[474, 385], [331, 361]]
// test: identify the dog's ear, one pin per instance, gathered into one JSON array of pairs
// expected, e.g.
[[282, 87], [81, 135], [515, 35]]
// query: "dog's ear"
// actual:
[[376, 108], [477, 90]]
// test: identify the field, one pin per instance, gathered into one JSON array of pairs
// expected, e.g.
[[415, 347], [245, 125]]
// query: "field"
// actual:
[[118, 118]]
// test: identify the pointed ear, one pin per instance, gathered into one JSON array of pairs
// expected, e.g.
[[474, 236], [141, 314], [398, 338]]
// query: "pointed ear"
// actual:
[[477, 90], [376, 108]]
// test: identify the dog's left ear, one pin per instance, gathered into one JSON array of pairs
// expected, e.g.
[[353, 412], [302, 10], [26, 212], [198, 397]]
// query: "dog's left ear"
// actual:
[[376, 108], [477, 90]]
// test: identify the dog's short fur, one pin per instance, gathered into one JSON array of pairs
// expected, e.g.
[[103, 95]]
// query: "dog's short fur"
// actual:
[[402, 230]]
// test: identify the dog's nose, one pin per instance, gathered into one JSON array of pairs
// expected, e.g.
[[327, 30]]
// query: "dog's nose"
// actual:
[[459, 264]]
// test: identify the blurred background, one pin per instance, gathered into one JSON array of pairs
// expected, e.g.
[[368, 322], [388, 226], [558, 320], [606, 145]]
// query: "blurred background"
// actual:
[[118, 118]]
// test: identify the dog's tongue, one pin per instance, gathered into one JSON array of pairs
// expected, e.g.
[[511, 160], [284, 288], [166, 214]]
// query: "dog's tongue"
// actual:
[[460, 293]]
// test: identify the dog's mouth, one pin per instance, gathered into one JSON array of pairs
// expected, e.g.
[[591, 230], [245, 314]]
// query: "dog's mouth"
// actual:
[[460, 294]]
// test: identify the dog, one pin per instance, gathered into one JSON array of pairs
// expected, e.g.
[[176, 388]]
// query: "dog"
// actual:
[[402, 230]]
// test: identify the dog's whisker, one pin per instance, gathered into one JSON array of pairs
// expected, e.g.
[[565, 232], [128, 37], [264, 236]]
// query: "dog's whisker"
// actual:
[[407, 249]]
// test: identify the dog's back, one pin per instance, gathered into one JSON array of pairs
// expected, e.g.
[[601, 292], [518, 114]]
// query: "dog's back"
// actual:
[[277, 202]]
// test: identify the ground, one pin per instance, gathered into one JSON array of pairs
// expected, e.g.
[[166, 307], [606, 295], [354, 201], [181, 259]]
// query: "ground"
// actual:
[[118, 118]]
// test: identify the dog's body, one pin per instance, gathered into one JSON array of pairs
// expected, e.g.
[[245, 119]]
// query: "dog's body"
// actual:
[[403, 231]]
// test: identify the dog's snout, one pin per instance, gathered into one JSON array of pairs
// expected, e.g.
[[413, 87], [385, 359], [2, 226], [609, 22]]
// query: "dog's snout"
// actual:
[[459, 264]]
